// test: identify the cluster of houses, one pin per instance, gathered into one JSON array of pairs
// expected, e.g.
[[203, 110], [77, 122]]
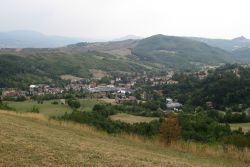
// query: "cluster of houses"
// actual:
[[121, 91], [166, 79], [42, 89], [158, 79], [100, 91], [12, 92], [203, 73]]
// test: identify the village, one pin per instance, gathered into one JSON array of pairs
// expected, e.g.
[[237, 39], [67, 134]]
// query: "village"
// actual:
[[118, 90]]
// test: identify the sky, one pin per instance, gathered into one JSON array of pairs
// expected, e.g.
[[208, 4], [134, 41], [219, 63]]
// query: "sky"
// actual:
[[107, 19]]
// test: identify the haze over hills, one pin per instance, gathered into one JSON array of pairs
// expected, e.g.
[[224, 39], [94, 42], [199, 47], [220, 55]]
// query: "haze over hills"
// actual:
[[128, 37], [226, 44], [33, 39]]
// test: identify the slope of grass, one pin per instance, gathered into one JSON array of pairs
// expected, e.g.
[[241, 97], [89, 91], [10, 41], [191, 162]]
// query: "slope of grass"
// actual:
[[131, 118], [88, 104], [33, 140]]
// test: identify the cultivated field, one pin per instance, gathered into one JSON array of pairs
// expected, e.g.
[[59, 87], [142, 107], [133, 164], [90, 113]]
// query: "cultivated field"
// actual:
[[131, 118], [33, 140]]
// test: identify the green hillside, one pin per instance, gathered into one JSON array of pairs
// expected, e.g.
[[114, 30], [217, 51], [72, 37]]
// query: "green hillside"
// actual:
[[242, 54], [178, 52], [19, 71], [20, 67], [33, 140]]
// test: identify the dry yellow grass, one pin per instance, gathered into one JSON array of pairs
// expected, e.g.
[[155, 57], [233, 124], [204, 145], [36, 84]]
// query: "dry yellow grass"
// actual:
[[34, 140], [229, 152]]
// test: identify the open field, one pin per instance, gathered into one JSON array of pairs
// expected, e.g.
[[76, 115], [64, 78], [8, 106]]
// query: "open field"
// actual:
[[88, 104], [131, 118], [98, 74], [49, 109], [32, 140], [245, 126], [107, 100], [70, 77]]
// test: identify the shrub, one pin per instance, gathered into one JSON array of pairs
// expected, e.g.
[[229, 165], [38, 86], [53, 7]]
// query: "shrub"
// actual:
[[34, 109], [4, 106], [100, 121], [55, 102], [73, 103]]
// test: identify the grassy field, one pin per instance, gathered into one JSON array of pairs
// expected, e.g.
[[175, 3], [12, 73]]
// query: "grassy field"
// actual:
[[88, 104], [49, 109], [245, 126], [32, 140], [131, 118]]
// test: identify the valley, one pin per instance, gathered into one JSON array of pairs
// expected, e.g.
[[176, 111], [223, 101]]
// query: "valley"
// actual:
[[168, 97]]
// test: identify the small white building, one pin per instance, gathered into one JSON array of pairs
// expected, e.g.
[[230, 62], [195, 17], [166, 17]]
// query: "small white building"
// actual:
[[172, 105]]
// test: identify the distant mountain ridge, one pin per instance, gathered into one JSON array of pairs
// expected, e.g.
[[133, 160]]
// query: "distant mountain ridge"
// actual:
[[33, 39], [226, 44], [127, 38], [159, 50], [155, 53]]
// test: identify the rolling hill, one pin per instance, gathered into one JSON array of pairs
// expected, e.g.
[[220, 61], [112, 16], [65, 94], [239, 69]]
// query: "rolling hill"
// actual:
[[20, 67], [178, 52], [33, 140], [242, 54]]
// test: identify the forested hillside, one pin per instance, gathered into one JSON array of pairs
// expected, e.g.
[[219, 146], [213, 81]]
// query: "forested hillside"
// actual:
[[18, 71], [242, 54], [178, 52], [20, 67], [226, 87]]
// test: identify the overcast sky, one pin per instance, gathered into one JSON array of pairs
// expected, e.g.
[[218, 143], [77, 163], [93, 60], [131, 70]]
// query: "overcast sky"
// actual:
[[115, 18]]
